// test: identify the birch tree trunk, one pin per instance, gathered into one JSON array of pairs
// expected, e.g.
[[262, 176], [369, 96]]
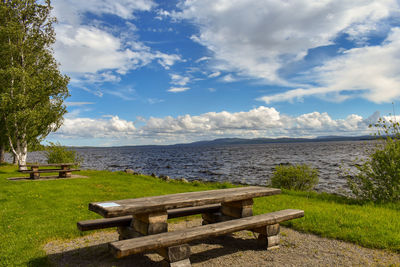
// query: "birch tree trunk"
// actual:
[[2, 153]]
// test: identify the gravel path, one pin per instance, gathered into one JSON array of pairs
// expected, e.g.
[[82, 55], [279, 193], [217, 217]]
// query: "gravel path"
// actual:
[[238, 249]]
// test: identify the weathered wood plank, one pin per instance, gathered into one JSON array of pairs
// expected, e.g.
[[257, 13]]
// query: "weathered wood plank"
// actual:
[[182, 200], [181, 212], [137, 245], [126, 220], [104, 223], [49, 164], [49, 170]]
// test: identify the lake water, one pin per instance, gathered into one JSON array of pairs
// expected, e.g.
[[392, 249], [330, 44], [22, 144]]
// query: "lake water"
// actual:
[[246, 164]]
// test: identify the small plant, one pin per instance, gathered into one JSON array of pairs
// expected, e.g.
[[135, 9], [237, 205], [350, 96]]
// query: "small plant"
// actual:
[[378, 177], [295, 177], [56, 153]]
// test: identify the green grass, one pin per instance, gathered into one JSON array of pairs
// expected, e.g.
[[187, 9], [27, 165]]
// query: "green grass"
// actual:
[[34, 212]]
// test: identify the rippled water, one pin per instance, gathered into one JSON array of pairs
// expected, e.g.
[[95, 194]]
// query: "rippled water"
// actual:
[[247, 164]]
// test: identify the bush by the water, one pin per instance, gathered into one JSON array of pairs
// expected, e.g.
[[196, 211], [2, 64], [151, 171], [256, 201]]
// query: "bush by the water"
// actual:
[[295, 177], [56, 153], [378, 177]]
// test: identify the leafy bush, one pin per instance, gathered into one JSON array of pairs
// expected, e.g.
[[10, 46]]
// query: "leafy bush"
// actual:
[[295, 177], [56, 153], [378, 177]]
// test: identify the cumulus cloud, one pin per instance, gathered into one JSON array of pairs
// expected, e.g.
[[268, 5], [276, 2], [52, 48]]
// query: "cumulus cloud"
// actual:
[[68, 10], [93, 49], [256, 38], [370, 72], [258, 122], [96, 128]]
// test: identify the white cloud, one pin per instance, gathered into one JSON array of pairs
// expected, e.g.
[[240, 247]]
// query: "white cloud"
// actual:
[[74, 104], [258, 122], [256, 38], [228, 78], [214, 74], [69, 10], [179, 80], [92, 52], [96, 128], [370, 72], [203, 59], [178, 89]]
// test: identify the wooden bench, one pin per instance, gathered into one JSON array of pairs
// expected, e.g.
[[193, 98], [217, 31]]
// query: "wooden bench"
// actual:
[[144, 220], [173, 245], [64, 169], [126, 221]]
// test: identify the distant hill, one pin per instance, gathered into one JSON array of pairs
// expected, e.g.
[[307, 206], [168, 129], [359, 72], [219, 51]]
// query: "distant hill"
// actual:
[[254, 141], [237, 141]]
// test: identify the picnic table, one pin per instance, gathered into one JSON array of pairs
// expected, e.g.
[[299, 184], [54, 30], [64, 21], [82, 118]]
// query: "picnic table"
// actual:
[[143, 226], [64, 169]]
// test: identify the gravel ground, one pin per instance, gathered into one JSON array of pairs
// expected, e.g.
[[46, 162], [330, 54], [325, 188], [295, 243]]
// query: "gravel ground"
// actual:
[[238, 249]]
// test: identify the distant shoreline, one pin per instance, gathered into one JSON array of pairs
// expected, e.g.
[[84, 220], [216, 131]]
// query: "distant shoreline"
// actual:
[[254, 141]]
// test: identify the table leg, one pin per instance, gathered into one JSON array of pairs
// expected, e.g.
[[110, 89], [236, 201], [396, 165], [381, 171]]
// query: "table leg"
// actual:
[[176, 256], [229, 211], [269, 236], [145, 224], [64, 173], [35, 174], [238, 209]]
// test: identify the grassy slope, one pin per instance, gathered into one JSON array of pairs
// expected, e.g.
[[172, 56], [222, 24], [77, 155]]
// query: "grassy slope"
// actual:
[[34, 212]]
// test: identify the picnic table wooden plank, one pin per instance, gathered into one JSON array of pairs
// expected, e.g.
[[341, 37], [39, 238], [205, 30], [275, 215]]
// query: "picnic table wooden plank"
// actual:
[[137, 245], [190, 199], [49, 164], [49, 170], [127, 220]]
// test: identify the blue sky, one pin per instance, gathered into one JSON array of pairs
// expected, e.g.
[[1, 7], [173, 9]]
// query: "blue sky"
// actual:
[[165, 72]]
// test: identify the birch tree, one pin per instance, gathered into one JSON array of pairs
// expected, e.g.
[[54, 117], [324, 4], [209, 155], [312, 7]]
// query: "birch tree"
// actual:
[[32, 89]]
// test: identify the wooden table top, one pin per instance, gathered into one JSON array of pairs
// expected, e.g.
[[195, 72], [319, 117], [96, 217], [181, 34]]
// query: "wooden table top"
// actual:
[[48, 164], [190, 199]]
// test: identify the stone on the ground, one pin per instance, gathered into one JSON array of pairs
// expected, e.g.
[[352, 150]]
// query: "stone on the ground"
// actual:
[[129, 171]]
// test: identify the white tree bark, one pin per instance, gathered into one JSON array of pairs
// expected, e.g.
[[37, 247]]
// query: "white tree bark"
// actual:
[[20, 152]]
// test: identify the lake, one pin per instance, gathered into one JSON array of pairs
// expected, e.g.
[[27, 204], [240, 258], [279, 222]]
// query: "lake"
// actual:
[[245, 164]]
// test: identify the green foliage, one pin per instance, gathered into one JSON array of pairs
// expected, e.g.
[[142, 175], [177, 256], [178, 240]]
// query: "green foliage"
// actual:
[[56, 153], [295, 177], [378, 177], [32, 89]]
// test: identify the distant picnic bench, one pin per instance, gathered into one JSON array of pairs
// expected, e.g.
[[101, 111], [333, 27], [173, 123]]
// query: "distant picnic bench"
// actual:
[[142, 222], [64, 169]]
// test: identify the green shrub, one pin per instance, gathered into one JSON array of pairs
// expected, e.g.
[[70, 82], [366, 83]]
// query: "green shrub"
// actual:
[[56, 153], [378, 177], [295, 177]]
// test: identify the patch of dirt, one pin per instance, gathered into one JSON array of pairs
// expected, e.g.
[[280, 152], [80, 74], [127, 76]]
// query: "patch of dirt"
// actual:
[[50, 177], [238, 249]]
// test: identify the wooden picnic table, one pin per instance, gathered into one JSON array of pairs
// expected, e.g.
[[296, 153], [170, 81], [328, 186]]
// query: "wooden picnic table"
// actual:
[[223, 211], [64, 169], [241, 197]]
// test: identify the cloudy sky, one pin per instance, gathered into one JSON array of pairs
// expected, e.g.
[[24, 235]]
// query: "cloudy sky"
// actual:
[[164, 72]]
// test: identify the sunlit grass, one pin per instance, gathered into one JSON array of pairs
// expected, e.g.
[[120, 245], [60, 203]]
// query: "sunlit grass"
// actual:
[[35, 212]]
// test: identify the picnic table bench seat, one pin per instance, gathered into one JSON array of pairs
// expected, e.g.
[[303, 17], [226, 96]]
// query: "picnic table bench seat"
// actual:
[[127, 220], [49, 170], [180, 255]]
